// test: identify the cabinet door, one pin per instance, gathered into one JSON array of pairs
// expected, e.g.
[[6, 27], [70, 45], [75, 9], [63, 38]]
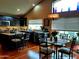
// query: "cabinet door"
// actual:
[[23, 21]]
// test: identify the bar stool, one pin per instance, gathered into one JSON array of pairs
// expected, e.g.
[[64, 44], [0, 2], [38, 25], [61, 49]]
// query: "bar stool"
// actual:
[[26, 38]]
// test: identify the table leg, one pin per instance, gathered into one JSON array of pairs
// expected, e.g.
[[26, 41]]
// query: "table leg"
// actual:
[[56, 52]]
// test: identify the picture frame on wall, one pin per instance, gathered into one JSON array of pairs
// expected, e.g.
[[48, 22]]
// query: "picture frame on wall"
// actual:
[[46, 22]]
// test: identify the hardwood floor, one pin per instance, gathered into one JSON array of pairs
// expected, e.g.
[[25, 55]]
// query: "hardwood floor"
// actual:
[[18, 54], [27, 52]]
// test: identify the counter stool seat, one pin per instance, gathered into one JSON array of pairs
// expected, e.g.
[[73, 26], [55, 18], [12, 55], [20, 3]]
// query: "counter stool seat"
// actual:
[[64, 50]]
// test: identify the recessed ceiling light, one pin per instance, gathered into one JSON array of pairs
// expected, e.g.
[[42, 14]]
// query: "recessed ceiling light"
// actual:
[[33, 4], [18, 9]]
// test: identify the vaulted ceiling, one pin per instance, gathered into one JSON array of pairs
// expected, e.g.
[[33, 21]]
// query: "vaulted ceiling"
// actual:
[[16, 7]]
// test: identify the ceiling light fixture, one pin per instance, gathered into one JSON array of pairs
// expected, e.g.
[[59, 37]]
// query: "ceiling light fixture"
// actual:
[[33, 4], [18, 9]]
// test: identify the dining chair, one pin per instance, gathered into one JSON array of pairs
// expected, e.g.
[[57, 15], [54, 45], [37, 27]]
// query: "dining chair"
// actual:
[[68, 51], [44, 48]]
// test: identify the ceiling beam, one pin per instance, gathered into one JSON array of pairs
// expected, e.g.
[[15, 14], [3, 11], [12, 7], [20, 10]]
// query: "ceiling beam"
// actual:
[[33, 8]]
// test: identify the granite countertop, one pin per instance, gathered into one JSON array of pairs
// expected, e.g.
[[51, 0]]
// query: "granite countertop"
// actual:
[[12, 33]]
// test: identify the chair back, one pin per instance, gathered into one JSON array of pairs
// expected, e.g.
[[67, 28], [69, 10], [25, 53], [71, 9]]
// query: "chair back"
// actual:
[[73, 43], [19, 36], [41, 37], [27, 35]]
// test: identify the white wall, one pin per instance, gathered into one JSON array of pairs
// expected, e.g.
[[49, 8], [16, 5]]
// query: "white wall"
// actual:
[[66, 24]]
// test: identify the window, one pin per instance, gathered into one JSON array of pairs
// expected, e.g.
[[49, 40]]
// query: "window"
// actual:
[[67, 5], [71, 24], [35, 24]]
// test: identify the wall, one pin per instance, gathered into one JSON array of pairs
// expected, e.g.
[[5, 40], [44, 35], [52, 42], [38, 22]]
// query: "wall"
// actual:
[[66, 22], [41, 11]]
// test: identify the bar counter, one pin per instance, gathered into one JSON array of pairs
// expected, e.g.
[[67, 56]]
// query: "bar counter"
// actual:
[[11, 41], [9, 34]]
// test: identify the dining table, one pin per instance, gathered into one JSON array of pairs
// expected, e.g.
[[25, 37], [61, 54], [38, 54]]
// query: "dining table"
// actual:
[[60, 43]]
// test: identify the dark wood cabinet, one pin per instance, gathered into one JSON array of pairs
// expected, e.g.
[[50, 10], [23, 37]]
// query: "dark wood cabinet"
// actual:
[[23, 21]]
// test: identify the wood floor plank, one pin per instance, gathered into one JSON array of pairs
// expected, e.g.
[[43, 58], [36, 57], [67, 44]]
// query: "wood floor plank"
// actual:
[[26, 53]]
